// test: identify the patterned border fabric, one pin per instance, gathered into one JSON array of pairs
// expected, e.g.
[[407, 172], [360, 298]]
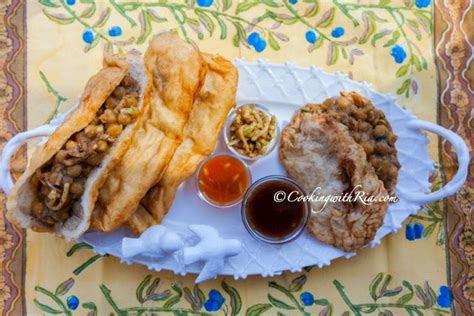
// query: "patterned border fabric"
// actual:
[[454, 36]]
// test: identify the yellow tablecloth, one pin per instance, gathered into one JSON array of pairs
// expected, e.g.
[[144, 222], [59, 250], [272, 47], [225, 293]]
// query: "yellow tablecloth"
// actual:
[[386, 43]]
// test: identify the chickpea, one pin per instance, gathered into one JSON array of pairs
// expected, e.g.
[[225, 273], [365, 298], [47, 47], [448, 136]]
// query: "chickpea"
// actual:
[[360, 115], [102, 146], [130, 101], [393, 171], [114, 130], [61, 156], [76, 188], [344, 102], [392, 138], [380, 130], [356, 137], [111, 102], [382, 148], [93, 130], [108, 117], [124, 119], [74, 171], [94, 160], [70, 145], [364, 126], [119, 92], [368, 148]]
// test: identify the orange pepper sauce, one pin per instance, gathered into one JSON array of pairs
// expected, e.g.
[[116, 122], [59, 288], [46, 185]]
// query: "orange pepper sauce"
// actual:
[[223, 180]]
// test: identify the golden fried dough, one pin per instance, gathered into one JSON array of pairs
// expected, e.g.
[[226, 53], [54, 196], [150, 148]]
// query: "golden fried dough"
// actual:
[[209, 112], [317, 151], [176, 71]]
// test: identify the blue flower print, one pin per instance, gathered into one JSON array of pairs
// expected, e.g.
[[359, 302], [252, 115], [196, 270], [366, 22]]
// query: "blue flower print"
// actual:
[[293, 1], [204, 3], [72, 302], [307, 298], [215, 301], [337, 32], [418, 230], [410, 232], [311, 37], [260, 46], [70, 2], [115, 31], [253, 38], [88, 36], [422, 3], [398, 53], [445, 297], [257, 42]]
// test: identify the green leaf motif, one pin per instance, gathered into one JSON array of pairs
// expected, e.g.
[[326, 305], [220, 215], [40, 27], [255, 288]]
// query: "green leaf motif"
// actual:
[[297, 283], [374, 285], [404, 88], [77, 247], [384, 2], [393, 41], [258, 309], [235, 299], [45, 308], [278, 303], [379, 36], [59, 18], [370, 26], [333, 54], [403, 70], [103, 18], [273, 42], [246, 5], [327, 18], [92, 307], [64, 287], [89, 11], [206, 21], [271, 3], [175, 299], [48, 3], [141, 288]]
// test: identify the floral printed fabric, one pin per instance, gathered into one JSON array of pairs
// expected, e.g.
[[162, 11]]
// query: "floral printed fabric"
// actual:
[[386, 42]]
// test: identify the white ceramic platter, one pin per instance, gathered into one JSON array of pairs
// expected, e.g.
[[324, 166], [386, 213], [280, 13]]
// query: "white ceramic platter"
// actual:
[[282, 89]]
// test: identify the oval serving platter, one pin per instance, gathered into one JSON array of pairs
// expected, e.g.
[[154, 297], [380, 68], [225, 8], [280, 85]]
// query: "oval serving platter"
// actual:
[[282, 89]]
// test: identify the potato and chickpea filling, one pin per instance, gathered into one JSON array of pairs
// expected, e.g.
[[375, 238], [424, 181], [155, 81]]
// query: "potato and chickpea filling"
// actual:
[[251, 131], [61, 181]]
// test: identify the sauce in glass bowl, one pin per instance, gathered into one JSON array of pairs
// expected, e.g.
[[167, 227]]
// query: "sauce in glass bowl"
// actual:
[[222, 180], [274, 210]]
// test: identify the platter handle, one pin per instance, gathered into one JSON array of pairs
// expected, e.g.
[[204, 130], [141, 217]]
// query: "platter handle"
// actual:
[[6, 179], [463, 163]]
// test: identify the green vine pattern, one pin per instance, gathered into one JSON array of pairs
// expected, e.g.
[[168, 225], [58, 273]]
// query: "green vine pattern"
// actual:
[[180, 299], [382, 25]]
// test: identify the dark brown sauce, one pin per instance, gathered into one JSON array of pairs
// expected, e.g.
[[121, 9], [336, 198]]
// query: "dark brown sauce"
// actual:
[[272, 219]]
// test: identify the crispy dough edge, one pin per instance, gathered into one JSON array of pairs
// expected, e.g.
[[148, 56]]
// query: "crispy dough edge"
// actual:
[[201, 135]]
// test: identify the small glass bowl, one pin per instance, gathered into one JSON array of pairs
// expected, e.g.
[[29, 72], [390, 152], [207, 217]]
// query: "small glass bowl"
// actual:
[[203, 197], [259, 236], [271, 145]]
